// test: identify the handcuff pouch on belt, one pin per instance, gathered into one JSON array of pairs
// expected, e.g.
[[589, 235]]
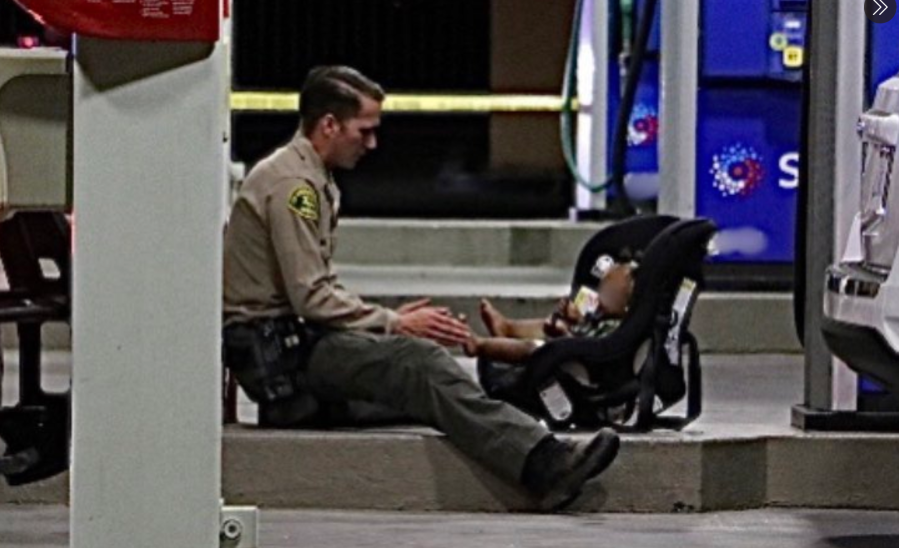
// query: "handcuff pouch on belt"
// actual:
[[268, 357]]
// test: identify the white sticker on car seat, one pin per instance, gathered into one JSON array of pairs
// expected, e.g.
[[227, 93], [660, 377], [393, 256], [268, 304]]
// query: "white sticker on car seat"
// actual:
[[683, 302], [556, 402]]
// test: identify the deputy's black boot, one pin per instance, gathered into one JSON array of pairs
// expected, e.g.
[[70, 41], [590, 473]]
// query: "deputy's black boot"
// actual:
[[556, 470]]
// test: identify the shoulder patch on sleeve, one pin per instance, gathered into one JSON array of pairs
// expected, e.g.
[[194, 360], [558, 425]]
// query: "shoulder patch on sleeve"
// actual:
[[304, 202]]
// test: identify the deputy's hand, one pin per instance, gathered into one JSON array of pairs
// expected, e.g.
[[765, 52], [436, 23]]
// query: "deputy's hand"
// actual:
[[430, 322], [414, 305], [423, 303]]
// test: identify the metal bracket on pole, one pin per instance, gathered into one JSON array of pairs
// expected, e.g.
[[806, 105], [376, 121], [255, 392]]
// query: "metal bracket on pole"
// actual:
[[240, 527]]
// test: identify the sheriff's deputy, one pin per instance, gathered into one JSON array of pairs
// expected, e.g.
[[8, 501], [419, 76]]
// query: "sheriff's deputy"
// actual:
[[295, 337]]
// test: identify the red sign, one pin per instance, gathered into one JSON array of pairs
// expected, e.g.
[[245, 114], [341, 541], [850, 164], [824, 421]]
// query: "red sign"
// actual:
[[178, 20]]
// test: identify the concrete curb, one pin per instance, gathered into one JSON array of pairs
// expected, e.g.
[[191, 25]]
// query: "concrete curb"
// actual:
[[417, 470]]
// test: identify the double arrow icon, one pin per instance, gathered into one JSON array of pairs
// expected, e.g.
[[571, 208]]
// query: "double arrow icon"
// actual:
[[882, 5]]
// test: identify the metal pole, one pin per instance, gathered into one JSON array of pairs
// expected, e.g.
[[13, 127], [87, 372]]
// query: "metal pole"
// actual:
[[836, 80], [679, 85]]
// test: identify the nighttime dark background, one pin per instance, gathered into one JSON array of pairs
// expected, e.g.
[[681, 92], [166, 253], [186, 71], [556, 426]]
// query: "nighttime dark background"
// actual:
[[15, 22], [426, 165]]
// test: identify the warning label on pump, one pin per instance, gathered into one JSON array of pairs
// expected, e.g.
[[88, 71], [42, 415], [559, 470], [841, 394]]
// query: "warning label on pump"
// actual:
[[156, 9], [179, 20]]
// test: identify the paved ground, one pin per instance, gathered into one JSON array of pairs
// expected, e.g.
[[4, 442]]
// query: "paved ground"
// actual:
[[46, 527], [744, 394]]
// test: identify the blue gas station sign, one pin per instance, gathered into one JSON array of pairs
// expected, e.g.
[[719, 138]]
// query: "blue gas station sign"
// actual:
[[748, 130], [748, 125], [747, 170]]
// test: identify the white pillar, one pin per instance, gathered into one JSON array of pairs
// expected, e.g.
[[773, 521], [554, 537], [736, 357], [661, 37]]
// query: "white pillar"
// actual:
[[849, 103], [678, 117], [593, 90], [149, 121]]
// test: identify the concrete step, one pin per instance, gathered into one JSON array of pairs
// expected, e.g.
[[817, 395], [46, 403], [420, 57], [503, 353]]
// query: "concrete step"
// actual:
[[405, 470], [462, 243], [416, 470], [741, 453], [524, 266]]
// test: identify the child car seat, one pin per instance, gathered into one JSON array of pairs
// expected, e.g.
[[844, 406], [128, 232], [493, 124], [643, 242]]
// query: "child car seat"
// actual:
[[584, 382]]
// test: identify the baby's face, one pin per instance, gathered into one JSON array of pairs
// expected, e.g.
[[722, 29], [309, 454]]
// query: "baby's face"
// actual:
[[616, 289]]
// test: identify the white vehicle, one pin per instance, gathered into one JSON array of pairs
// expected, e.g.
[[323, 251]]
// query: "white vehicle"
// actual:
[[861, 301]]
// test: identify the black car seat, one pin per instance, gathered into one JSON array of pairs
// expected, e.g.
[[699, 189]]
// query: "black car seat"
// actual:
[[649, 363]]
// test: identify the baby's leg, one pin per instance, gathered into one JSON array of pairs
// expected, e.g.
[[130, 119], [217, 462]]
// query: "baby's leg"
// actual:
[[499, 325], [502, 349]]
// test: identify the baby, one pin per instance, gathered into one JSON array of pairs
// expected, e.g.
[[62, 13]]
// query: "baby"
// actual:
[[591, 313]]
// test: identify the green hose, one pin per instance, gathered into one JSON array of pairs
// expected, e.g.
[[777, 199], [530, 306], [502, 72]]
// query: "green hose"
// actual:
[[568, 112], [635, 66]]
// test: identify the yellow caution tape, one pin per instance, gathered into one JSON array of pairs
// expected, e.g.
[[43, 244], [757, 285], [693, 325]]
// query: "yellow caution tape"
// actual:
[[265, 101], [399, 102]]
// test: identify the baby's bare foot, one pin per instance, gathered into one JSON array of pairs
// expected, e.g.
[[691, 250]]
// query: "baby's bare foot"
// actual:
[[493, 319]]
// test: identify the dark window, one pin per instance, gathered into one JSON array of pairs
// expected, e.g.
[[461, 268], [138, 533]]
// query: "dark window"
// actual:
[[403, 44], [426, 165], [15, 22]]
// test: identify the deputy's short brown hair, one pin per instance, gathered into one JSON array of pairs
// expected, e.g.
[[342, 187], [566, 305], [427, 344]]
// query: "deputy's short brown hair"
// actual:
[[334, 90]]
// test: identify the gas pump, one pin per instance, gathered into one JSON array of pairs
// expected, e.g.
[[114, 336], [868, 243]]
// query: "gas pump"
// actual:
[[731, 96], [641, 161], [603, 48]]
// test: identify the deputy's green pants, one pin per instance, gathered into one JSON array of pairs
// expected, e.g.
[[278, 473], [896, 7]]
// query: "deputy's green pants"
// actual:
[[421, 380]]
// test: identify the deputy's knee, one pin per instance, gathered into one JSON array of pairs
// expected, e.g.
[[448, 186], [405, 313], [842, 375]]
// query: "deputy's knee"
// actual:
[[419, 347], [430, 362]]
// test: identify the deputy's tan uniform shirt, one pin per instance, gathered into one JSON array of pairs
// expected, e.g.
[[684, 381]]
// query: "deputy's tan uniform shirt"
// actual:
[[279, 244]]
